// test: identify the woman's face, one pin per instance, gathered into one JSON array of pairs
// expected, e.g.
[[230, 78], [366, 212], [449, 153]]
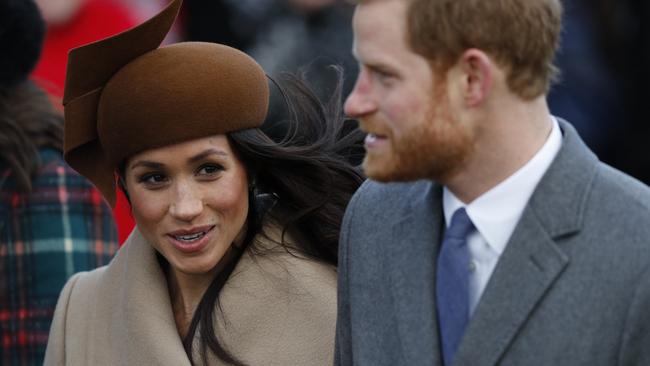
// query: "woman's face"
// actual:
[[190, 201]]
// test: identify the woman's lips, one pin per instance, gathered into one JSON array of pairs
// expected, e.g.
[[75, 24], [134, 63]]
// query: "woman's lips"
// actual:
[[191, 240]]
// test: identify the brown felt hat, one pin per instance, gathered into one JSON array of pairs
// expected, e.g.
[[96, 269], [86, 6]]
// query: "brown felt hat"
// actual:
[[124, 95]]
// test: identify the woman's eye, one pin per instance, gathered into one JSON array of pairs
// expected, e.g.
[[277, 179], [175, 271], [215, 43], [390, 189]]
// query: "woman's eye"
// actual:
[[210, 169], [153, 179]]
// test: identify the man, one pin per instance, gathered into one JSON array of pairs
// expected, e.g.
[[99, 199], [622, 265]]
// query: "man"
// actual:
[[488, 234]]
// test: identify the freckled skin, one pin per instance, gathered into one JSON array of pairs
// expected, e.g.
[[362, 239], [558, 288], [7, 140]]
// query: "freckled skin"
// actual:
[[185, 194]]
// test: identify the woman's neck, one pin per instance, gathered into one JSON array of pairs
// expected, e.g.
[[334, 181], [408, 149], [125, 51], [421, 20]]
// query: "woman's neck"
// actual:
[[186, 292]]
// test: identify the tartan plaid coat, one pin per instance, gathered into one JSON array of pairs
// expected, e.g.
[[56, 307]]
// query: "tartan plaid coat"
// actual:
[[61, 227]]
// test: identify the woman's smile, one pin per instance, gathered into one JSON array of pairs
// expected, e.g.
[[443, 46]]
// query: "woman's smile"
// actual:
[[191, 240], [190, 200]]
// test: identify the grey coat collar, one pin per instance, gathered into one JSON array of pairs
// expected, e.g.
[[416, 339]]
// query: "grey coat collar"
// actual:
[[412, 260]]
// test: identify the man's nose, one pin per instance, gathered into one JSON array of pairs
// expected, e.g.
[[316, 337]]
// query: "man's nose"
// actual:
[[360, 101]]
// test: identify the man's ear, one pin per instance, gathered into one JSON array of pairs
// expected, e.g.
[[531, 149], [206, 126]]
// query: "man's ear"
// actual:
[[477, 70]]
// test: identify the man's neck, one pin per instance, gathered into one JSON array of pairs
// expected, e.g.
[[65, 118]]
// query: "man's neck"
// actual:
[[507, 140]]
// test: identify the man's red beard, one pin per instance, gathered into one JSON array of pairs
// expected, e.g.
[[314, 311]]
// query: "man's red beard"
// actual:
[[436, 147]]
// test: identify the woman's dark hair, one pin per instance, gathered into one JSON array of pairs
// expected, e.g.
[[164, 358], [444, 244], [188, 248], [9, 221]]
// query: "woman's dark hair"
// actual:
[[302, 182], [28, 122]]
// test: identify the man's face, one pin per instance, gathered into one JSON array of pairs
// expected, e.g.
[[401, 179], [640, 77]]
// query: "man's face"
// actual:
[[413, 132]]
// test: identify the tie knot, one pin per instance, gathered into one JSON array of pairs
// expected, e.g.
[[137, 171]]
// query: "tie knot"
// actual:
[[461, 225]]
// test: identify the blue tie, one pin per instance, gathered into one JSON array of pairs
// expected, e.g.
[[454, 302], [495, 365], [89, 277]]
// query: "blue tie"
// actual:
[[452, 292]]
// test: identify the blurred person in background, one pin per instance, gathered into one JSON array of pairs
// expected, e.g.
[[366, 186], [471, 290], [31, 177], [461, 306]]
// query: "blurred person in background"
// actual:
[[283, 35], [306, 35], [53, 222], [624, 32], [588, 94], [603, 57], [72, 23], [297, 36]]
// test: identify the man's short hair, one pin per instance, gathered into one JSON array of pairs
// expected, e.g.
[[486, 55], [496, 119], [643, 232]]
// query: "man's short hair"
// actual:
[[522, 36]]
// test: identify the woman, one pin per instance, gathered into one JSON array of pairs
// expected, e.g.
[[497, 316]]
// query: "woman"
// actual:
[[52, 220], [233, 257]]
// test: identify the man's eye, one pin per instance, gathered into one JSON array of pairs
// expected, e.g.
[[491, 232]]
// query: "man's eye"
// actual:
[[382, 76]]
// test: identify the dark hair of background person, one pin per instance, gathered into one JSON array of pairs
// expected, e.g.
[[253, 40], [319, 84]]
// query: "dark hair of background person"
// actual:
[[624, 27], [27, 119], [28, 122], [303, 181]]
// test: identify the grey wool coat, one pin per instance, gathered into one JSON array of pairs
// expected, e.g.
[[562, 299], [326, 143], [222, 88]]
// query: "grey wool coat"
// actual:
[[277, 309], [571, 288]]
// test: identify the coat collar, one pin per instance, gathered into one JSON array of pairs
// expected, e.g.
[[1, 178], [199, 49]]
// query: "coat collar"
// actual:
[[560, 198], [144, 306], [265, 309], [412, 255], [534, 258]]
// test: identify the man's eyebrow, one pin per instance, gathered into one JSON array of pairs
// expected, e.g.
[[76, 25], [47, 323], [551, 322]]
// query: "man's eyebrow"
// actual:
[[381, 67], [372, 64]]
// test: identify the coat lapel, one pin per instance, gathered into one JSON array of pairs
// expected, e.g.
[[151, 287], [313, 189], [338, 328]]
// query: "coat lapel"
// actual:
[[526, 270], [145, 309], [413, 248], [533, 259]]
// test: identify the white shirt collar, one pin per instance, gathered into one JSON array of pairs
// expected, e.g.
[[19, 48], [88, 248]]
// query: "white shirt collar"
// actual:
[[495, 213]]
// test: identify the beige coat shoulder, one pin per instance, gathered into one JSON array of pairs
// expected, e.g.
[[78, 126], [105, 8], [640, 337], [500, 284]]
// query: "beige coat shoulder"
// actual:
[[278, 309]]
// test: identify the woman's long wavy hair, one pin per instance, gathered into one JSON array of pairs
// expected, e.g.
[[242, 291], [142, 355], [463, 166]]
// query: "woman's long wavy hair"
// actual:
[[307, 176], [28, 122], [302, 182]]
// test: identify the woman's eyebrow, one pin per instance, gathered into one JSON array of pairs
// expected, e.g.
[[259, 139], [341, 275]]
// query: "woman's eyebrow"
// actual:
[[148, 164], [202, 155], [198, 157]]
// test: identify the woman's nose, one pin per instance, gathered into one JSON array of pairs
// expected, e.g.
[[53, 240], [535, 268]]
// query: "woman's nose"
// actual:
[[187, 203]]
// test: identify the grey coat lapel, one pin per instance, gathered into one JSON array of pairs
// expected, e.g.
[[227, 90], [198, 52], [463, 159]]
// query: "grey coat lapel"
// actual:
[[412, 258], [533, 260], [526, 270]]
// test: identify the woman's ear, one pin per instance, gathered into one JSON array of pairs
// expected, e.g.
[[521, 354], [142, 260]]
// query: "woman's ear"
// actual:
[[262, 200]]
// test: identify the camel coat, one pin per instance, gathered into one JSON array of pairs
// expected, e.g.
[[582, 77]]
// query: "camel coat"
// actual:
[[276, 309]]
